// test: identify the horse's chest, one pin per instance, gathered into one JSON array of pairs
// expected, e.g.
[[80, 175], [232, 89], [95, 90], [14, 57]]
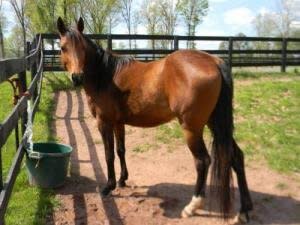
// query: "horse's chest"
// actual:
[[103, 107]]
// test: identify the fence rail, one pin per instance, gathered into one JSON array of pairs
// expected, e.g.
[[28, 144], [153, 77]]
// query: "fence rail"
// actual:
[[280, 56], [10, 67]]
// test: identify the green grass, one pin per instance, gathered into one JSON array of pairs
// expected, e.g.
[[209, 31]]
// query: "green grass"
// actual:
[[268, 122], [166, 133], [143, 148], [30, 205], [246, 74], [267, 119]]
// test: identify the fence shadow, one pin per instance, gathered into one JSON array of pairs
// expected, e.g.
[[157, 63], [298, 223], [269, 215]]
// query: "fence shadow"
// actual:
[[79, 184]]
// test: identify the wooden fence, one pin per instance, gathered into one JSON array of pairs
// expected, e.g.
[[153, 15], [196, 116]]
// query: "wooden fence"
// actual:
[[280, 51], [8, 68]]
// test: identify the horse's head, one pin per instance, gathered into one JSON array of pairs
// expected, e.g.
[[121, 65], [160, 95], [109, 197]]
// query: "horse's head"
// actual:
[[73, 49]]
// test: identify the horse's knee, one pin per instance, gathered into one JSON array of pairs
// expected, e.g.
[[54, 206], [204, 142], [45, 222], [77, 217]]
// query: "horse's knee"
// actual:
[[121, 151], [202, 162]]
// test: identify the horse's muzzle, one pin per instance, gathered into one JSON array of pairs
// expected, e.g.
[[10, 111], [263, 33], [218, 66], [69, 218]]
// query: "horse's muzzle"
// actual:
[[77, 79]]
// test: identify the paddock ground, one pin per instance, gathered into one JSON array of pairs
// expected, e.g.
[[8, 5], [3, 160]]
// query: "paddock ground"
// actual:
[[161, 178]]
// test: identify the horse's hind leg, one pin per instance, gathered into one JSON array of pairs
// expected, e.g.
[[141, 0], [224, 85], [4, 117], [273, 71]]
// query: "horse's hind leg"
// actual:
[[119, 131], [239, 168], [202, 161]]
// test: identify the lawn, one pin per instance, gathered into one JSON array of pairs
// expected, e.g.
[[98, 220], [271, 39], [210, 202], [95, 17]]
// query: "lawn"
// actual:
[[30, 205], [268, 120]]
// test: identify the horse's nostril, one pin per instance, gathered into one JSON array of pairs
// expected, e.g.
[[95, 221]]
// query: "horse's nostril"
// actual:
[[77, 78]]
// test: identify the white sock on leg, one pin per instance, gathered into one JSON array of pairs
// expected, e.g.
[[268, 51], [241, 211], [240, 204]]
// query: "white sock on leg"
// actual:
[[190, 208]]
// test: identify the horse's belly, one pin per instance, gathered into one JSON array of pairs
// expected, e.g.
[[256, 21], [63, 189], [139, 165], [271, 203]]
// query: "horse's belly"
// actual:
[[149, 117]]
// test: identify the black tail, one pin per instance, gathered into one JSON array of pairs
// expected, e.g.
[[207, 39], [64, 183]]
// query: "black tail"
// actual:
[[221, 126]]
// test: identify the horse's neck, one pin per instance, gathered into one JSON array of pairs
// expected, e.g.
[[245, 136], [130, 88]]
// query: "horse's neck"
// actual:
[[97, 73]]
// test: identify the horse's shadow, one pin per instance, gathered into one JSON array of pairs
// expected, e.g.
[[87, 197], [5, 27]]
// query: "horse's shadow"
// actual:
[[268, 208]]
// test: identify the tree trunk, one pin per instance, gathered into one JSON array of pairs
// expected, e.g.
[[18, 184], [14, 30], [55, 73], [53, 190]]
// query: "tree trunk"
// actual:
[[65, 10], [189, 34], [2, 53]]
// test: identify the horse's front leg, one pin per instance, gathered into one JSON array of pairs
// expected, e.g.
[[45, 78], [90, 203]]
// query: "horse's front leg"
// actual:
[[119, 130], [106, 131]]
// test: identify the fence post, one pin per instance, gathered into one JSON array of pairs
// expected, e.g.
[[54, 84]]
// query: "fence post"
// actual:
[[33, 68], [283, 55], [230, 47], [109, 42], [176, 43], [22, 89]]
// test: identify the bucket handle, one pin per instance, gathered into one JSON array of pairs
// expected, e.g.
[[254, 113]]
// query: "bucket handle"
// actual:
[[35, 155]]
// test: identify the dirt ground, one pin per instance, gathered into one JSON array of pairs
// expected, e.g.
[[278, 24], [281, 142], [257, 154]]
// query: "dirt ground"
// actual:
[[161, 179]]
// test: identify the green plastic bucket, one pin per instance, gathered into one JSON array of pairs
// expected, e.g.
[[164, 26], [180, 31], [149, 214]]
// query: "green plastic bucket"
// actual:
[[47, 164]]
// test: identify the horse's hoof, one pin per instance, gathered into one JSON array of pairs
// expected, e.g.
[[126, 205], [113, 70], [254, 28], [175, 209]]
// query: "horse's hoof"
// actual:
[[242, 218], [185, 214], [105, 192], [121, 183]]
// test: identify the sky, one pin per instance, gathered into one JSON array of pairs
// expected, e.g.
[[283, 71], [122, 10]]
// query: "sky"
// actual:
[[228, 17], [224, 18]]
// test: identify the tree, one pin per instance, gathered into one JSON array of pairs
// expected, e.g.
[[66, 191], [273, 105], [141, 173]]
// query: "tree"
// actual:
[[126, 12], [286, 15], [277, 23], [168, 10], [42, 15], [151, 17], [241, 45], [192, 12], [2, 24], [14, 43], [168, 15], [237, 45], [19, 9], [96, 14], [113, 18], [70, 10], [264, 25]]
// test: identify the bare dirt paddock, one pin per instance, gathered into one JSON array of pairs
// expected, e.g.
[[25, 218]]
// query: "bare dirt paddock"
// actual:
[[161, 179]]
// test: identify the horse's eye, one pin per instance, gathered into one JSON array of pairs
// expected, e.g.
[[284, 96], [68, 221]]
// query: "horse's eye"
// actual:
[[63, 49]]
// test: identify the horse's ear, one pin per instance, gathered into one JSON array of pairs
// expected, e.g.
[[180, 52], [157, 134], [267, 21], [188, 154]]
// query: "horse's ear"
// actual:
[[80, 25], [61, 26]]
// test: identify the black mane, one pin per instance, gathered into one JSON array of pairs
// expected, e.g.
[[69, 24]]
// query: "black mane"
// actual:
[[102, 65]]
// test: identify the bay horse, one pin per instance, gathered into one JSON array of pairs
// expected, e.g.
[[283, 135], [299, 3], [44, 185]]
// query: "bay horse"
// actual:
[[192, 86]]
